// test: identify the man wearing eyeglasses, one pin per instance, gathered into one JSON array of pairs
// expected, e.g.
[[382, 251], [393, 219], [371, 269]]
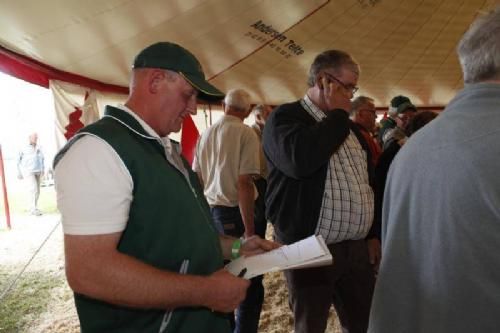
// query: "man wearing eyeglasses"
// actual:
[[364, 114], [319, 183]]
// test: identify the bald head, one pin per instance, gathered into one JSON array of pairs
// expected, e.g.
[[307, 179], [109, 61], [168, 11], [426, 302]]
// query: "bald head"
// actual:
[[237, 103], [33, 139]]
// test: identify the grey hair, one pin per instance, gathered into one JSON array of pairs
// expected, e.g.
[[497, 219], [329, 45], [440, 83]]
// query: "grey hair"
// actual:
[[479, 49], [238, 99], [171, 75], [360, 101], [137, 73], [334, 59]]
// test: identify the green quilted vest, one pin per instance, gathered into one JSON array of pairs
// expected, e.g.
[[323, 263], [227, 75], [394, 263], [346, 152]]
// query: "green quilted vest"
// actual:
[[169, 227]]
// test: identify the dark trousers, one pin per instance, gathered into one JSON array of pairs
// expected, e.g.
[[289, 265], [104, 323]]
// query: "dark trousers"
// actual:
[[228, 219], [260, 208], [347, 284]]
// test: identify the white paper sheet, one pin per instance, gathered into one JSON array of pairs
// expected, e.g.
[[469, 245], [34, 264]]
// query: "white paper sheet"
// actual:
[[309, 252]]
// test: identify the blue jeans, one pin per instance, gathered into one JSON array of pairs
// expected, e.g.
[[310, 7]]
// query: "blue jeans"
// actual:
[[229, 222]]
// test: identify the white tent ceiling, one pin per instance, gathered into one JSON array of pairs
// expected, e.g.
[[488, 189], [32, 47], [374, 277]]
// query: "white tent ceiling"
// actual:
[[404, 46]]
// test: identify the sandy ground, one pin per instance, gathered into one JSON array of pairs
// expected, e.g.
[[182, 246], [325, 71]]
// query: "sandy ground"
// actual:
[[18, 245]]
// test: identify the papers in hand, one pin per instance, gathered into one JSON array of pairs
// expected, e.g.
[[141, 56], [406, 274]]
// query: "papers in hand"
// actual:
[[309, 252]]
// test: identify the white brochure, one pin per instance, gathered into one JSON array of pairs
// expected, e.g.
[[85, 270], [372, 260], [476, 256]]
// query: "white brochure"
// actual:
[[309, 252]]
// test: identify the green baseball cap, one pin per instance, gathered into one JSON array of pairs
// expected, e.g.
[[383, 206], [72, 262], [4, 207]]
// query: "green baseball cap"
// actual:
[[402, 104], [173, 57]]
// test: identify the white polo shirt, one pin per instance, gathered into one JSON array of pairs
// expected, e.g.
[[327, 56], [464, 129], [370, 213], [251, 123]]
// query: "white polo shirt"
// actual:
[[94, 187]]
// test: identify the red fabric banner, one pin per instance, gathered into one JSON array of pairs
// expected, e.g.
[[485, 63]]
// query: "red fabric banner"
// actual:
[[189, 137], [17, 68], [35, 72]]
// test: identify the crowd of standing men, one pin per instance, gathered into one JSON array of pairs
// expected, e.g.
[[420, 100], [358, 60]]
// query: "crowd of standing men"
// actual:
[[411, 218]]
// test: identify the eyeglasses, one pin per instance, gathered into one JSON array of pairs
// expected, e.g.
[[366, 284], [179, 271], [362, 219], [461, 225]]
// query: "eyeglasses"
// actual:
[[351, 88]]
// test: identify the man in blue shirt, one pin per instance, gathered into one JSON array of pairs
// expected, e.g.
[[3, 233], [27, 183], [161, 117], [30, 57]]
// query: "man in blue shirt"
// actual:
[[30, 167]]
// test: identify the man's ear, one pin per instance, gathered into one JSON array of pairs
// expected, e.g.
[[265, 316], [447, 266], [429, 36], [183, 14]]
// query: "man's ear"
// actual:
[[322, 81], [319, 81], [155, 78]]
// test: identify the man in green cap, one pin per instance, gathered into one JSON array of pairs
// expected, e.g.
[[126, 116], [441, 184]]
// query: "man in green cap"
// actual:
[[400, 112], [141, 252]]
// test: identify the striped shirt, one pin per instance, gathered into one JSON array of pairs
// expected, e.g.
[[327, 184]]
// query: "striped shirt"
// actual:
[[348, 206]]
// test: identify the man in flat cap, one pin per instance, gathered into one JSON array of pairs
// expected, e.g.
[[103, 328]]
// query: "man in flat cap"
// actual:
[[142, 254]]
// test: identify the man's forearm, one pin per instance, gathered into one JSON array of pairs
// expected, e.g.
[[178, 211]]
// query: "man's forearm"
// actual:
[[288, 142], [117, 278], [226, 243], [246, 203]]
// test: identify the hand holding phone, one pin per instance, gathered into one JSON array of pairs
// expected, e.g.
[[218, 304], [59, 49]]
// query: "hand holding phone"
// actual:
[[334, 95]]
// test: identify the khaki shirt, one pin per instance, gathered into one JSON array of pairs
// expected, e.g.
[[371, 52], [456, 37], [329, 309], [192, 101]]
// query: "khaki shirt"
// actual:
[[226, 150]]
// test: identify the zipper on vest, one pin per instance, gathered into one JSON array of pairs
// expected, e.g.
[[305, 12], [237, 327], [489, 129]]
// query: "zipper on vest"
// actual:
[[188, 181], [203, 211], [194, 191], [168, 314]]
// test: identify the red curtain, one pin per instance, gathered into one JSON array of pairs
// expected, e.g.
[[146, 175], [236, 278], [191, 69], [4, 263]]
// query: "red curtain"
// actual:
[[35, 72], [189, 137]]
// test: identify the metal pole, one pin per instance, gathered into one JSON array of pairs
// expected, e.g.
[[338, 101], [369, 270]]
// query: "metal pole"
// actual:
[[4, 187], [210, 113]]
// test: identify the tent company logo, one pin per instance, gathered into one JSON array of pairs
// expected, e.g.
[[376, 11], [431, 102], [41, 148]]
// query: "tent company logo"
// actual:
[[274, 39]]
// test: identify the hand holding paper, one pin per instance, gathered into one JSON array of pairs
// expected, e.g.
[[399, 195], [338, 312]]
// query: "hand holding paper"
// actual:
[[256, 245], [309, 252]]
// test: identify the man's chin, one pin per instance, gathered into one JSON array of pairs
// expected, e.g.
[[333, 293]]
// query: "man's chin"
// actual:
[[177, 127]]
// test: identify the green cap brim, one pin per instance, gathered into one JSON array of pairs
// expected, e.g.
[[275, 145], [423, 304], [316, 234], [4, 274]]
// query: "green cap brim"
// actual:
[[206, 91], [407, 106]]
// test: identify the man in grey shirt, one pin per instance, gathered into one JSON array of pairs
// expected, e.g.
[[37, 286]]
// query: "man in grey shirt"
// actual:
[[30, 166], [441, 217]]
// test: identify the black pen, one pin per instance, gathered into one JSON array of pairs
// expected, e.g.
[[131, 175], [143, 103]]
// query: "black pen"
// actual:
[[242, 273]]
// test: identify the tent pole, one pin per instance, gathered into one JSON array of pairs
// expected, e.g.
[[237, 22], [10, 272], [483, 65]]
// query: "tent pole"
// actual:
[[210, 113], [4, 187]]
